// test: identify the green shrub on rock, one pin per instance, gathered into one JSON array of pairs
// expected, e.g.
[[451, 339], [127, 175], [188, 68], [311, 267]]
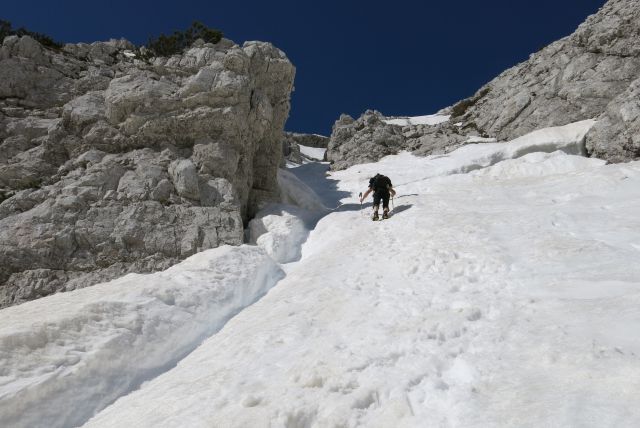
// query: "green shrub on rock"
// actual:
[[6, 29], [164, 45]]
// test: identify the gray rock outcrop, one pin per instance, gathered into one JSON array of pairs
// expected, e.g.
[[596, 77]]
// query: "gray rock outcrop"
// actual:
[[293, 140], [370, 138], [592, 74], [616, 135], [110, 164], [309, 140]]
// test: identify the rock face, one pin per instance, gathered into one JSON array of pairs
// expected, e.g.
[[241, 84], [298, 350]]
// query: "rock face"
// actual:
[[592, 74], [293, 140], [616, 136], [110, 164], [309, 140], [369, 138]]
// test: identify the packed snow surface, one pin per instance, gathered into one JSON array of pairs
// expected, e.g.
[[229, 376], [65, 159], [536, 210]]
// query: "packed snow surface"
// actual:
[[431, 119], [477, 139], [503, 292]]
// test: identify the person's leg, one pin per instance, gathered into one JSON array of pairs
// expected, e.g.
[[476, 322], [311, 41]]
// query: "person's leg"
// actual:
[[376, 204], [385, 206]]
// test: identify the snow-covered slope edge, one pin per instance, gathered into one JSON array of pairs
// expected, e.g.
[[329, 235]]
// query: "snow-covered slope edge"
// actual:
[[569, 139], [281, 229], [66, 356]]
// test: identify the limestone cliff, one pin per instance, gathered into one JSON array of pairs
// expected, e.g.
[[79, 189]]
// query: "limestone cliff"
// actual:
[[112, 164]]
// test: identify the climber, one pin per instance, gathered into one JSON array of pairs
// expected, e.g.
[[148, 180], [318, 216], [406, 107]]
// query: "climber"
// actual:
[[382, 188]]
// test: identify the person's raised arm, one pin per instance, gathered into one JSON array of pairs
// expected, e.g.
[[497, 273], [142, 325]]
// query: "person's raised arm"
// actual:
[[365, 195]]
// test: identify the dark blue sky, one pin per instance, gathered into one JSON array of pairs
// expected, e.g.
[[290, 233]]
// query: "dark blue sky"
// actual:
[[400, 57]]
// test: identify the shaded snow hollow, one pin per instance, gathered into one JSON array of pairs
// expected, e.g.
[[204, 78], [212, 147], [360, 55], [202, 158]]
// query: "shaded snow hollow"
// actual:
[[502, 297]]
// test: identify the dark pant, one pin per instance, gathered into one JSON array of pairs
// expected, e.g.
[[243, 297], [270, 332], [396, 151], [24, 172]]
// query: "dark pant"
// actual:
[[377, 196]]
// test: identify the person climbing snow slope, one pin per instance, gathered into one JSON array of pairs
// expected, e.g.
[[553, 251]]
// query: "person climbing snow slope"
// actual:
[[382, 189]]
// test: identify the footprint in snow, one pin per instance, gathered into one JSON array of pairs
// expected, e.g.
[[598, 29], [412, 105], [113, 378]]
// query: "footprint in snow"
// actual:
[[474, 315], [251, 401], [365, 400]]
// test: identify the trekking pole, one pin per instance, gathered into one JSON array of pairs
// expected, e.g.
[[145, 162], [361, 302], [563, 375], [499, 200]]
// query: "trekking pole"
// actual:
[[360, 199]]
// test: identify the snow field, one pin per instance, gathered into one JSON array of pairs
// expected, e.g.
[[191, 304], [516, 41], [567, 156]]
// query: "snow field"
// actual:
[[503, 298], [69, 355]]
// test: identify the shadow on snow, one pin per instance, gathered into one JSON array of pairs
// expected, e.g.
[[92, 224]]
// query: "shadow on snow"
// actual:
[[314, 175]]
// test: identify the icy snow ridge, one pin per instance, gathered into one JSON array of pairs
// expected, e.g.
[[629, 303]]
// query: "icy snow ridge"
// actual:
[[538, 164], [476, 139], [569, 139], [69, 355], [281, 230]]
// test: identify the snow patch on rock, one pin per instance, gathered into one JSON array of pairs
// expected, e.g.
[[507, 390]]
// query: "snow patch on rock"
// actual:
[[430, 119]]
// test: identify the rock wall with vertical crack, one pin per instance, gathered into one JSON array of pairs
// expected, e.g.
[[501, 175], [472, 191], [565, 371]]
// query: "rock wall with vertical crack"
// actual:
[[112, 164]]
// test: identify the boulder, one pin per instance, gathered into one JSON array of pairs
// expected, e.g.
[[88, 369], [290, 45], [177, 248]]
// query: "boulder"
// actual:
[[616, 135], [185, 178]]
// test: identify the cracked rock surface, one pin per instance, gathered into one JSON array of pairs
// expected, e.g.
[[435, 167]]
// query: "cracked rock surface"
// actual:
[[591, 74], [110, 164]]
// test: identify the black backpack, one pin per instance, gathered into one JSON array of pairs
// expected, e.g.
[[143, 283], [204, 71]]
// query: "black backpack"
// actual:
[[380, 183]]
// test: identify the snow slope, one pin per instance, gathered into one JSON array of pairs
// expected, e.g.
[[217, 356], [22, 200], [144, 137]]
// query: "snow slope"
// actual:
[[506, 297]]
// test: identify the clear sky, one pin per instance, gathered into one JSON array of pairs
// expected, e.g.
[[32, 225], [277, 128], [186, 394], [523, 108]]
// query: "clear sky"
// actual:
[[399, 57]]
